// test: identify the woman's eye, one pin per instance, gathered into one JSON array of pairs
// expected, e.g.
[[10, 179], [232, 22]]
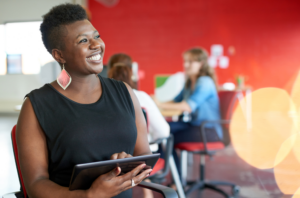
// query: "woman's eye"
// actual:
[[83, 40], [98, 36]]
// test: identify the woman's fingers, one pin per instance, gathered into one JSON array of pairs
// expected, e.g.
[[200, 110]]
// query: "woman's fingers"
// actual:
[[132, 174], [120, 155], [112, 174], [114, 156], [138, 179]]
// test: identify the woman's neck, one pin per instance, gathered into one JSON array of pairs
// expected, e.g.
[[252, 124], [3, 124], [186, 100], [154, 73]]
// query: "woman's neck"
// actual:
[[193, 80], [81, 87], [84, 84]]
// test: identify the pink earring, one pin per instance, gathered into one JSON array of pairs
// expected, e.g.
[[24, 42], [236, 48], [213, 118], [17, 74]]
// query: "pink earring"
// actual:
[[64, 79]]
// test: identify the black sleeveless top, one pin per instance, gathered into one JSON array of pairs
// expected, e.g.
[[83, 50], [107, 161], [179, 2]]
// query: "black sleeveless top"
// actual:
[[81, 133]]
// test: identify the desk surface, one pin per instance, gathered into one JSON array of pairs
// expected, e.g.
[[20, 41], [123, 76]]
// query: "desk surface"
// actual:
[[244, 88], [170, 113]]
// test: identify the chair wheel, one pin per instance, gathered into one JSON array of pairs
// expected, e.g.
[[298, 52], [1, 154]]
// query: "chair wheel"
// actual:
[[235, 191]]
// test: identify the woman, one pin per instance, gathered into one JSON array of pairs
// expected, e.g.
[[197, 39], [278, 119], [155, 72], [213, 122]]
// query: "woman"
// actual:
[[198, 97], [79, 118], [120, 69]]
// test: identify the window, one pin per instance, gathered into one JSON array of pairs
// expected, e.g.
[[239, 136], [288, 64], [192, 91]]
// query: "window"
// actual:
[[2, 52], [23, 49], [14, 63]]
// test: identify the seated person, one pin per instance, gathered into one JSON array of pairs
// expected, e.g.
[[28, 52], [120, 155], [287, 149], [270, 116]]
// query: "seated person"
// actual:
[[198, 97], [80, 118], [157, 125]]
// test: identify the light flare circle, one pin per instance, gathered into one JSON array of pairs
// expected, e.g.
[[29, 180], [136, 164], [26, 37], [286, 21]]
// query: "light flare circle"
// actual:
[[272, 123]]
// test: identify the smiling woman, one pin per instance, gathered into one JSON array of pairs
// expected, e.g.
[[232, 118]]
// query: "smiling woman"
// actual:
[[91, 119]]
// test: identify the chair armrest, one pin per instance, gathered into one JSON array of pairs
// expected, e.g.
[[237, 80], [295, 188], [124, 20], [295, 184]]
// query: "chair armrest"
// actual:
[[202, 130], [165, 191], [167, 153]]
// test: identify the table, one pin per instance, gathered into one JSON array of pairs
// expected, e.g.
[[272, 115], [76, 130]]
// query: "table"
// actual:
[[170, 113]]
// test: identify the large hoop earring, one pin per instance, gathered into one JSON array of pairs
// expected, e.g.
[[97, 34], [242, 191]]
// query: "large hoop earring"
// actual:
[[64, 79]]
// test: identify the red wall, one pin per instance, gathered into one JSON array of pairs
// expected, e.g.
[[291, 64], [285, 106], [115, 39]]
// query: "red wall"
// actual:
[[265, 35]]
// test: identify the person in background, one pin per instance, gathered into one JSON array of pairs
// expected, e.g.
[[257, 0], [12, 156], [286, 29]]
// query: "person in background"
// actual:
[[157, 126], [126, 60], [199, 97], [119, 66]]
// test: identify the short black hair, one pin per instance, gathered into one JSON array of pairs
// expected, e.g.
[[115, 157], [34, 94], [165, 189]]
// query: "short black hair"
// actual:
[[55, 19]]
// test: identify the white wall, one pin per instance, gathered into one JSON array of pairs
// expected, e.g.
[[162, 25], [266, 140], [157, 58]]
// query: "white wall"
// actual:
[[13, 88], [24, 10]]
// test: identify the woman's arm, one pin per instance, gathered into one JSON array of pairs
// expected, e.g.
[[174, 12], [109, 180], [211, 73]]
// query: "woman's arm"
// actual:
[[203, 89], [141, 145], [177, 104], [33, 155]]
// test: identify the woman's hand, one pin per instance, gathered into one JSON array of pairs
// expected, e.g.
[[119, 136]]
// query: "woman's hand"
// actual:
[[110, 184], [120, 155]]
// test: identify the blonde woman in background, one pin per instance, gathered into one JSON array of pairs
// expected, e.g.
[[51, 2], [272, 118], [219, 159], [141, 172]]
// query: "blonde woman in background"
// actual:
[[199, 97]]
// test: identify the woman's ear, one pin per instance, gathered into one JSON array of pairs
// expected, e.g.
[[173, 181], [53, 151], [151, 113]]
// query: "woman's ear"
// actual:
[[57, 55]]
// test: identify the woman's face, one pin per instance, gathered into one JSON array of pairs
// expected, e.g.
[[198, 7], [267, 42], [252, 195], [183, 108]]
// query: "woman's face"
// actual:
[[83, 49], [191, 67]]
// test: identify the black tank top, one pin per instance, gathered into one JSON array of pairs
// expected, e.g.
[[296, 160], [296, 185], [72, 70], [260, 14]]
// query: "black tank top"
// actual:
[[81, 133]]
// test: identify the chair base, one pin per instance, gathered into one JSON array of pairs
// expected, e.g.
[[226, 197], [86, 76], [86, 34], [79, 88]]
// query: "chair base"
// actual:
[[201, 185]]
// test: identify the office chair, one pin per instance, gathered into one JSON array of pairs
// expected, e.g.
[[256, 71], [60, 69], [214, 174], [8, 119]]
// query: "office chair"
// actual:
[[165, 191], [227, 102]]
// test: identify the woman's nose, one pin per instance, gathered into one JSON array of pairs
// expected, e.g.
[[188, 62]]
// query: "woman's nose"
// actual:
[[95, 45]]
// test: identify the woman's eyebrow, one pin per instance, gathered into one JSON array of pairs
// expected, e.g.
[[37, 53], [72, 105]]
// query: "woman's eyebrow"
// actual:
[[96, 31]]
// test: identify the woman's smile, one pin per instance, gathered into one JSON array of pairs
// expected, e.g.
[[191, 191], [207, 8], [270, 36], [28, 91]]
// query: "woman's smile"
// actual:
[[95, 58]]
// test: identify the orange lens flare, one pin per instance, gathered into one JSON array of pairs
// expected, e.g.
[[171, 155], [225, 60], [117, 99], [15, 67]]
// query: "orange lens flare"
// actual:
[[287, 175], [272, 124], [273, 138]]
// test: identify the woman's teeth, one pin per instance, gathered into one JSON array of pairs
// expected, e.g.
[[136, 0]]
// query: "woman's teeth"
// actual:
[[96, 57]]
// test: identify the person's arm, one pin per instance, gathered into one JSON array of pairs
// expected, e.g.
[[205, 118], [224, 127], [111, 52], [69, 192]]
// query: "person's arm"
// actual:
[[177, 104], [33, 155], [141, 145], [202, 92]]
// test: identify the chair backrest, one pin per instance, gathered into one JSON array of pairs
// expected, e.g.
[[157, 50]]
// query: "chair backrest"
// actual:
[[144, 110], [227, 102], [15, 148]]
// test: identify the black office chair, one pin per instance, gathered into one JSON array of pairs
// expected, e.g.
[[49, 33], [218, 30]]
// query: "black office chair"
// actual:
[[165, 191]]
